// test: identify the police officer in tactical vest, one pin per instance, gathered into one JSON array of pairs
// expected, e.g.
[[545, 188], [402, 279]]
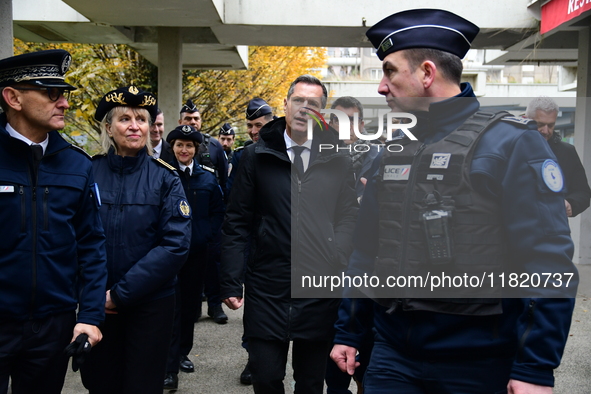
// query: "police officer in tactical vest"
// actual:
[[471, 192]]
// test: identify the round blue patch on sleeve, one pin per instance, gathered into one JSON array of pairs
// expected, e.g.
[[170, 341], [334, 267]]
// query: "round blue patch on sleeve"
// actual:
[[552, 175]]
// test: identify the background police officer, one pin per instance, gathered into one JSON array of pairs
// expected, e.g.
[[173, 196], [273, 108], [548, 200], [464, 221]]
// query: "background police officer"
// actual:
[[52, 254], [226, 137], [211, 155], [435, 345], [258, 114]]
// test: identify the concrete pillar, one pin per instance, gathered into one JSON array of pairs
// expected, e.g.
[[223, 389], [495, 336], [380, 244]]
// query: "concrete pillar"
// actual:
[[583, 139], [6, 38], [170, 75]]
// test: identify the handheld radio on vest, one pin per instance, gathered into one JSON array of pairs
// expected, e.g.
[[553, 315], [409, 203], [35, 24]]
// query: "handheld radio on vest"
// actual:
[[436, 221]]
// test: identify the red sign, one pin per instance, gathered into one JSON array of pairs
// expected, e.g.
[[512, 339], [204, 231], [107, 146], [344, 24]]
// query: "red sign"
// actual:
[[556, 12]]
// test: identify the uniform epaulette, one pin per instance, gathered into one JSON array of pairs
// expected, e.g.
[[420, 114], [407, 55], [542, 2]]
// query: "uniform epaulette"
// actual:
[[206, 168], [78, 149], [522, 122], [165, 164], [239, 148]]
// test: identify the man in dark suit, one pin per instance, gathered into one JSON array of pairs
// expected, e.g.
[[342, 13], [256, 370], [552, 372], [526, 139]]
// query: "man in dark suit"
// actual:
[[161, 148], [293, 204]]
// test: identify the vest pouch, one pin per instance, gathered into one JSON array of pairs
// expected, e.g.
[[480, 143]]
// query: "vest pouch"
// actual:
[[436, 222]]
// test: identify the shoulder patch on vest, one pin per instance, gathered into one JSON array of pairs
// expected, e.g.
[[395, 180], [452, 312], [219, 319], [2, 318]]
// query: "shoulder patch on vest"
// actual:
[[80, 150], [206, 168], [521, 122], [165, 165]]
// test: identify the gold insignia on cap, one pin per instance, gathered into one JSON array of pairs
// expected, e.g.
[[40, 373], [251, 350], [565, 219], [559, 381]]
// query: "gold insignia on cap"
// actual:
[[115, 98], [185, 208], [148, 101], [133, 90]]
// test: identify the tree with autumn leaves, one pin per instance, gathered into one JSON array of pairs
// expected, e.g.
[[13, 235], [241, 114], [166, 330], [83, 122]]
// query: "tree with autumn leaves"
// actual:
[[221, 95]]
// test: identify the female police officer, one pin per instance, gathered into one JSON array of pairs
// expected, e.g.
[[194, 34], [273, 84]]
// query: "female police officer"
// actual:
[[147, 224], [206, 200]]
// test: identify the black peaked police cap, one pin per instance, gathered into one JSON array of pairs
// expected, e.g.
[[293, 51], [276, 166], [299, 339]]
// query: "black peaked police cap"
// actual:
[[423, 28], [128, 96], [189, 107], [185, 132], [256, 108], [227, 129], [43, 68]]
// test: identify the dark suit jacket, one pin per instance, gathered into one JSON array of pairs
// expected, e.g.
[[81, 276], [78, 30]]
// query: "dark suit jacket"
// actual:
[[166, 153]]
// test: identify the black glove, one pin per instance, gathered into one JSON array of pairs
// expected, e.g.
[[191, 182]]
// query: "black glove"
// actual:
[[78, 350]]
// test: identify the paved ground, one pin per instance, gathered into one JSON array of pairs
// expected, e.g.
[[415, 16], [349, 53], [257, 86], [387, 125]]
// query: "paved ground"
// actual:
[[219, 358]]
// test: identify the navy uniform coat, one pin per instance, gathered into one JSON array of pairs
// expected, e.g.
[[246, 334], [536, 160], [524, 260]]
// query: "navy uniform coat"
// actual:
[[147, 225], [51, 235]]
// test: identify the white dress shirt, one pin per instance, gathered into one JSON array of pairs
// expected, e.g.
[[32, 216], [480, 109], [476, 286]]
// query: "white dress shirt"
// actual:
[[17, 135], [190, 167], [305, 153], [157, 150]]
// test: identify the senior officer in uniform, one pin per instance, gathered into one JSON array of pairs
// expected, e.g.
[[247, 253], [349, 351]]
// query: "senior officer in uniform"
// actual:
[[508, 209], [52, 254], [148, 228], [282, 177], [544, 111]]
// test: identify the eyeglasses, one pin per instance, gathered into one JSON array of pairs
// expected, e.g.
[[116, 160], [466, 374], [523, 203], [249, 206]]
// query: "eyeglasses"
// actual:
[[53, 93]]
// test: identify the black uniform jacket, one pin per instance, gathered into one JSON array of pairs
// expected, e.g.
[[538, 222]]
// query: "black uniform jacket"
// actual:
[[297, 224]]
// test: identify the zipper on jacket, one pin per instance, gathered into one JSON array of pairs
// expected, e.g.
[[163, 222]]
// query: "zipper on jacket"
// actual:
[[407, 207], [45, 216], [21, 191], [34, 250], [34, 225], [530, 323]]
